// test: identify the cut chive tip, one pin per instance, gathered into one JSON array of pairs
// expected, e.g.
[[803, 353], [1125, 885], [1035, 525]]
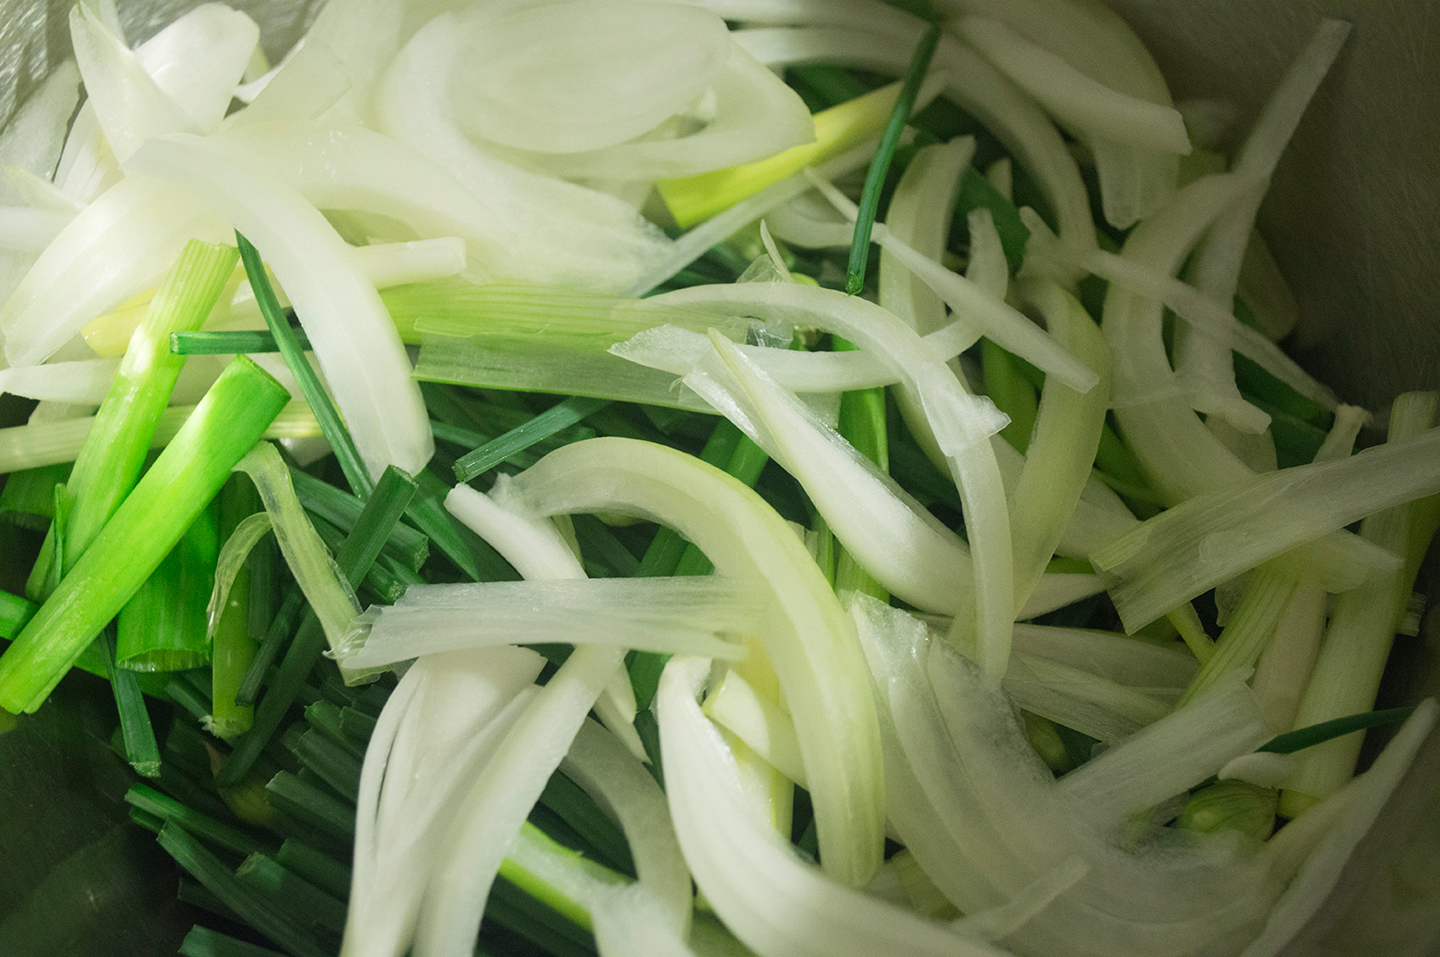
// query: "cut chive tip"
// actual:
[[880, 165]]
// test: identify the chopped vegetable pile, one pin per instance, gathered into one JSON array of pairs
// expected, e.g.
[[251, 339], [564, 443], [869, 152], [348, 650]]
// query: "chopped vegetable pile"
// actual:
[[712, 477]]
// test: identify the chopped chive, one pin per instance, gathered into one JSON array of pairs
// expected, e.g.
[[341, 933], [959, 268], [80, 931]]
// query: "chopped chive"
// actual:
[[249, 904], [204, 942], [262, 588], [188, 696], [181, 483], [357, 724], [162, 628], [342, 510], [354, 558], [192, 892], [515, 910], [282, 626], [387, 578], [330, 425], [298, 897], [596, 539], [324, 717], [312, 806], [563, 415], [317, 867], [141, 748], [831, 84], [334, 765], [1302, 738], [166, 809], [880, 165], [230, 343]]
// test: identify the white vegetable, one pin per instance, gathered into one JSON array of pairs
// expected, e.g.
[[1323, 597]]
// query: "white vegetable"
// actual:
[[669, 615], [356, 343]]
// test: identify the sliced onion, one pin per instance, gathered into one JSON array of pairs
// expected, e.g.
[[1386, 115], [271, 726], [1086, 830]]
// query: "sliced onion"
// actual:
[[582, 75]]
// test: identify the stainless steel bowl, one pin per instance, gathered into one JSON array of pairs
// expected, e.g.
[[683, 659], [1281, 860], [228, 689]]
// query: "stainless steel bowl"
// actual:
[[1353, 217]]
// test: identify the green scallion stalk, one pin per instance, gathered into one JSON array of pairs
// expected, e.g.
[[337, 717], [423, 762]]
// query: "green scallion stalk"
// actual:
[[880, 165], [141, 749], [110, 461], [319, 401], [181, 483], [561, 416], [14, 613], [248, 341], [28, 498], [162, 628], [390, 499], [233, 647]]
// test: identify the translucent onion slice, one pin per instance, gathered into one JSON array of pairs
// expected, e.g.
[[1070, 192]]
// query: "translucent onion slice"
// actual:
[[583, 75], [128, 104], [120, 245], [808, 638], [755, 116], [667, 615], [568, 234], [357, 346], [775, 903], [615, 778], [35, 135], [198, 59]]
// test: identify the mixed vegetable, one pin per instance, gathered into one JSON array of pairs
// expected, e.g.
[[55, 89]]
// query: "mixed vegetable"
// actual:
[[697, 477]]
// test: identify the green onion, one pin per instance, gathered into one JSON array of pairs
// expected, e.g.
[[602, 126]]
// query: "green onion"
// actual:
[[14, 613], [162, 628], [247, 341], [880, 165], [563, 415], [28, 498], [181, 483], [112, 457], [319, 401], [392, 495], [141, 749]]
